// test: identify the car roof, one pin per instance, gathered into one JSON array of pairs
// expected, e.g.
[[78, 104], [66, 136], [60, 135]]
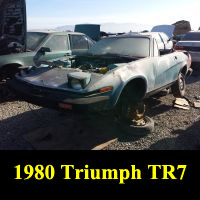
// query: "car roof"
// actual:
[[57, 33], [153, 33], [132, 35]]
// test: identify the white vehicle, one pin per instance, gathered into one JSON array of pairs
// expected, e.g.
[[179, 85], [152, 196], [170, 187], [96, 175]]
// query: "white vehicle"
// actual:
[[163, 35], [191, 43], [165, 45]]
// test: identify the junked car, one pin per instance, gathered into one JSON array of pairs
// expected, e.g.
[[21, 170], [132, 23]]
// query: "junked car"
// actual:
[[116, 74], [191, 43], [21, 48], [43, 46]]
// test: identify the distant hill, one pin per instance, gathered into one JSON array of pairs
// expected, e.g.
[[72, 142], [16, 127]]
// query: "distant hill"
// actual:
[[65, 28], [113, 27]]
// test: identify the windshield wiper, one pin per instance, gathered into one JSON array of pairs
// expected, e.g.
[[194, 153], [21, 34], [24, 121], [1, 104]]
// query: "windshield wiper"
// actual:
[[117, 55]]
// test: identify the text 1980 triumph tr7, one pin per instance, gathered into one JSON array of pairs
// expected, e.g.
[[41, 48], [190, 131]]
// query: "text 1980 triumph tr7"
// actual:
[[117, 73]]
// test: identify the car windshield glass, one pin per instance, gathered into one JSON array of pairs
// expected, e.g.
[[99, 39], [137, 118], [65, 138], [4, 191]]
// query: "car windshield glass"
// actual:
[[136, 47], [192, 37], [34, 40]]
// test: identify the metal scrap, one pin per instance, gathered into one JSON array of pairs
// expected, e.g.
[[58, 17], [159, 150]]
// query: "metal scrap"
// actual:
[[182, 104], [197, 104]]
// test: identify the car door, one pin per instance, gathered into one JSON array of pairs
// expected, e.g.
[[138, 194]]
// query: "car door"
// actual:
[[59, 46], [79, 44], [165, 67]]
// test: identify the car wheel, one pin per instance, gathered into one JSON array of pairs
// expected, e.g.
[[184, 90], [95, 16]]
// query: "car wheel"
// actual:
[[128, 130], [126, 109], [129, 102], [179, 88]]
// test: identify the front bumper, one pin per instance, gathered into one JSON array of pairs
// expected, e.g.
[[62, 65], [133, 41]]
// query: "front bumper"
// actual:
[[52, 98]]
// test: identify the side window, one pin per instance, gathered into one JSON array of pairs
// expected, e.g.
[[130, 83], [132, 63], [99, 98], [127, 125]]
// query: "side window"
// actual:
[[79, 42], [156, 51], [58, 43]]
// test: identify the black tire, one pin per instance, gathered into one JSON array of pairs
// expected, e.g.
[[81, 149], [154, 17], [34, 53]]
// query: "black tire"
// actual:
[[137, 131], [179, 88]]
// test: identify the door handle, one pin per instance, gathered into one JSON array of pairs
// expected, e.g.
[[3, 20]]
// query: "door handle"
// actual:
[[175, 58]]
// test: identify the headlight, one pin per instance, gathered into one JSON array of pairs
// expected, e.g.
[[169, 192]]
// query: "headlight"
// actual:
[[76, 84], [79, 80]]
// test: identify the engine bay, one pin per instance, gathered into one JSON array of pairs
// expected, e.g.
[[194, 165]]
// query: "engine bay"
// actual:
[[98, 65]]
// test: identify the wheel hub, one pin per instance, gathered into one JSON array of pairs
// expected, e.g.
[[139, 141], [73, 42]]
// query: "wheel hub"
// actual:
[[135, 114], [181, 83]]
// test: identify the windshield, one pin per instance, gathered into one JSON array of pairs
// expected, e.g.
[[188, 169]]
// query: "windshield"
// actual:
[[136, 47], [34, 40], [192, 37]]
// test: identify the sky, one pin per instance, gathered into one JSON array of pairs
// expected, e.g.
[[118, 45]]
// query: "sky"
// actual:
[[49, 14]]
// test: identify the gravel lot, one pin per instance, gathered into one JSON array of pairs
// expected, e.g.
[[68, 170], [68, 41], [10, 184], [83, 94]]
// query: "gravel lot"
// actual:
[[24, 126]]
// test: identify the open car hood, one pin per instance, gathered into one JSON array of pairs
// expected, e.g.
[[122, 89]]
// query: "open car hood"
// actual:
[[167, 29], [13, 26]]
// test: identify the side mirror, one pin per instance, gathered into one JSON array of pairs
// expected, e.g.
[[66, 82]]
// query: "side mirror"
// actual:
[[43, 50], [170, 39]]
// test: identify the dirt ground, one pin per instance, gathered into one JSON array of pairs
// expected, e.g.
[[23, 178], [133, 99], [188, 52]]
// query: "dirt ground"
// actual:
[[27, 127]]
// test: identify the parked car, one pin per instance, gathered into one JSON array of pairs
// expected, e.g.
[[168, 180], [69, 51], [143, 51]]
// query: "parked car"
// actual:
[[191, 43], [21, 48], [116, 74], [43, 46], [94, 31], [178, 38]]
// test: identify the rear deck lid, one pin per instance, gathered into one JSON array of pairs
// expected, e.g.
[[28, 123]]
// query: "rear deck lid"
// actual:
[[13, 26], [167, 29]]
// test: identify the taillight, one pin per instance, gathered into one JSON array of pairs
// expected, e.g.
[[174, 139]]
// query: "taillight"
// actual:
[[179, 48]]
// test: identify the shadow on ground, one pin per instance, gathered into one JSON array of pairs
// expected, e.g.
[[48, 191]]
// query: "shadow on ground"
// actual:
[[78, 132], [6, 94], [195, 77], [188, 139], [45, 129], [155, 106]]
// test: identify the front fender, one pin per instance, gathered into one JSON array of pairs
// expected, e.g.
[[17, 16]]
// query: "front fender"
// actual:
[[19, 59], [122, 86]]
